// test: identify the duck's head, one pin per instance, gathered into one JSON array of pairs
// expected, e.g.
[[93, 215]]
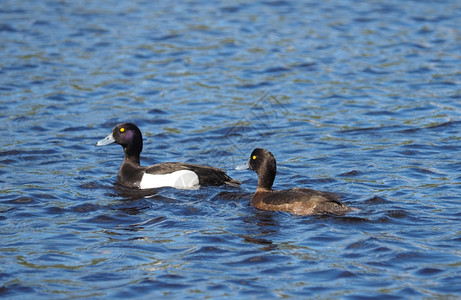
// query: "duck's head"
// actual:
[[263, 163], [126, 134]]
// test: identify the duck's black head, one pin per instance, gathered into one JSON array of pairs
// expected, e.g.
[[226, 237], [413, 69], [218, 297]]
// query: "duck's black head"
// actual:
[[263, 163], [129, 136]]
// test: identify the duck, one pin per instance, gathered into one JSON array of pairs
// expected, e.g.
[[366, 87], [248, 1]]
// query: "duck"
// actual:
[[169, 174], [298, 201]]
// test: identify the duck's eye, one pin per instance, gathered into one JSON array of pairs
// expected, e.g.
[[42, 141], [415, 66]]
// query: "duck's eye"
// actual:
[[254, 157], [122, 129]]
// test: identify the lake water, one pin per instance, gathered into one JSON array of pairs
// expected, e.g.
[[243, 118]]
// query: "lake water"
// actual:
[[360, 98]]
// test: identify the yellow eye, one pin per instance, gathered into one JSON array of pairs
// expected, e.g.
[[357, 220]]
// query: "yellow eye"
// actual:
[[122, 129], [254, 157]]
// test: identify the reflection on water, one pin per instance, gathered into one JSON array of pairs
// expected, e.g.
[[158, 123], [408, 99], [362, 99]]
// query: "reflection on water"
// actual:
[[360, 99]]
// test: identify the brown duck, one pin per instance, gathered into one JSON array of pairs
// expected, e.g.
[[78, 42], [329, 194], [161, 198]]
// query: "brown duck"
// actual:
[[299, 201]]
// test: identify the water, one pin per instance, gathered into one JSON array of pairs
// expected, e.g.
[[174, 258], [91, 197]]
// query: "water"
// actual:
[[358, 98]]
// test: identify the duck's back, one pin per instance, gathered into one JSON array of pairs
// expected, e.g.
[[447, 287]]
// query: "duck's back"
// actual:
[[207, 175], [300, 201]]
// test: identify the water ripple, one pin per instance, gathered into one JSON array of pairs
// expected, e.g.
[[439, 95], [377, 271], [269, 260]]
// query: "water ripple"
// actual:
[[360, 99]]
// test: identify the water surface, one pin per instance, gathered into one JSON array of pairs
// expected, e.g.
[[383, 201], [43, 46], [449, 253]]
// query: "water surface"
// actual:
[[359, 98]]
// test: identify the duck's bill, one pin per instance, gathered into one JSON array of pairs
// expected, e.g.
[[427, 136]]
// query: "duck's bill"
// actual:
[[245, 166], [106, 141]]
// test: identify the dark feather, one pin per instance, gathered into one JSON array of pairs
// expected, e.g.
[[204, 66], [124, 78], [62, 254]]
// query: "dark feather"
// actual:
[[207, 175], [321, 202], [300, 194]]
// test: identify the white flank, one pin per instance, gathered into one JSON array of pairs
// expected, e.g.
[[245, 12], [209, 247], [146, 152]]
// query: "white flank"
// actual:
[[183, 179]]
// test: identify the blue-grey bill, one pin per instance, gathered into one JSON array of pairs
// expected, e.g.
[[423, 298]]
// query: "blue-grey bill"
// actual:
[[245, 166], [106, 141]]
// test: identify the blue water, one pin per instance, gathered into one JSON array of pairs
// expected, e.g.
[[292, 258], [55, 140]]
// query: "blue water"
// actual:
[[360, 98]]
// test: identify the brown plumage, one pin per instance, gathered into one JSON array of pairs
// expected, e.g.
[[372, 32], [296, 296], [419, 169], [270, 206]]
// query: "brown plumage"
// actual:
[[299, 201]]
